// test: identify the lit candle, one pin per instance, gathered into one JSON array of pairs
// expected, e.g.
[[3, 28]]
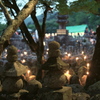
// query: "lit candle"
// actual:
[[23, 61], [69, 54], [44, 43], [68, 76], [21, 54], [85, 57], [28, 73], [5, 50], [25, 53], [88, 66], [82, 52], [83, 79], [31, 77], [47, 49], [46, 52], [87, 72], [5, 56], [77, 58], [53, 34], [65, 53]]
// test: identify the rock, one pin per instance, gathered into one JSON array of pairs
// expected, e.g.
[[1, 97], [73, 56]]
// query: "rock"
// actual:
[[94, 89], [54, 79], [14, 69], [12, 85], [76, 88], [96, 97], [74, 79], [55, 94], [33, 86], [80, 96]]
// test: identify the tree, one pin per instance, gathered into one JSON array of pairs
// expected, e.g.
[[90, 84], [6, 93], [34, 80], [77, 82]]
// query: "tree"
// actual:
[[89, 6]]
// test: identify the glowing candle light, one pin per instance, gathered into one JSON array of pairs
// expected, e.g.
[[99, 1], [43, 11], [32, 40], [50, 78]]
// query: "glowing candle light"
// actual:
[[21, 54], [82, 52], [25, 53], [69, 55], [83, 79], [87, 73], [47, 49], [28, 73], [46, 52], [44, 43], [68, 76], [65, 53], [88, 66], [77, 58], [85, 57], [32, 77], [5, 50], [5, 56], [23, 61], [29, 76], [55, 34]]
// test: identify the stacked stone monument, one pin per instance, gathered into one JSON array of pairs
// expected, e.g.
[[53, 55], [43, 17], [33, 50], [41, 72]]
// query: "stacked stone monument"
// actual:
[[13, 83], [12, 72], [54, 78]]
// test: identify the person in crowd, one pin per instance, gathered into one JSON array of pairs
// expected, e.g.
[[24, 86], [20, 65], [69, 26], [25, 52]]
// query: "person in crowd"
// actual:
[[86, 32]]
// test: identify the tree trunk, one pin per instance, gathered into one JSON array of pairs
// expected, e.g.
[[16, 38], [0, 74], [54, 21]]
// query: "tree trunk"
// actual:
[[94, 75], [24, 13]]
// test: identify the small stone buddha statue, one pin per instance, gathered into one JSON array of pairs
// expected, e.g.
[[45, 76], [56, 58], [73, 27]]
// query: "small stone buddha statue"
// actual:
[[12, 72], [54, 78]]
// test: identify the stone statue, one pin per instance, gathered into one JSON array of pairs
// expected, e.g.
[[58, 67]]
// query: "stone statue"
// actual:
[[16, 82], [54, 78], [55, 67], [12, 72]]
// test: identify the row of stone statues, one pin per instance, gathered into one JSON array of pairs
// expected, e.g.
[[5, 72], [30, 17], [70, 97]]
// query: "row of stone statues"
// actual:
[[17, 81]]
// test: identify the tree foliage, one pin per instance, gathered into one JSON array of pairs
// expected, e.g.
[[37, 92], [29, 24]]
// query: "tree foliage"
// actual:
[[90, 6]]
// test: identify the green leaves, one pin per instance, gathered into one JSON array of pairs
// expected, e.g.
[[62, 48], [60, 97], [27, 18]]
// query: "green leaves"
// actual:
[[90, 6]]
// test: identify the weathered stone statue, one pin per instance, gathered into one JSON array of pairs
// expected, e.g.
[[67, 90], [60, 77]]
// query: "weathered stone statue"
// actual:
[[12, 71], [14, 81], [54, 78]]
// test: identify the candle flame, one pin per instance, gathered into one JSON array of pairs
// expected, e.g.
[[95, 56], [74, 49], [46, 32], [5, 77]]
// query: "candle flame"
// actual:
[[21, 54], [69, 55], [82, 52], [32, 77], [77, 58], [88, 64], [28, 71], [67, 72], [23, 61], [87, 73], [25, 53], [85, 57], [68, 76], [65, 52]]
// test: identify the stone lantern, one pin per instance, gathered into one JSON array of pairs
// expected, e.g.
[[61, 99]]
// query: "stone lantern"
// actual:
[[54, 78], [12, 72]]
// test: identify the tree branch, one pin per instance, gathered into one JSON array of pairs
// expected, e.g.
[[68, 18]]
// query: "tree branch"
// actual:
[[6, 13], [28, 8]]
